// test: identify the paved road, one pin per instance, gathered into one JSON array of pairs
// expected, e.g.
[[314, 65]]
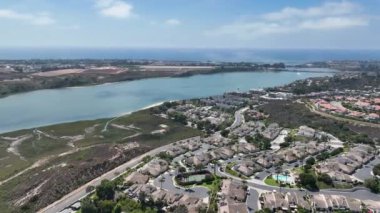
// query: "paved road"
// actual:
[[79, 193], [361, 194], [239, 118], [198, 192], [366, 171]]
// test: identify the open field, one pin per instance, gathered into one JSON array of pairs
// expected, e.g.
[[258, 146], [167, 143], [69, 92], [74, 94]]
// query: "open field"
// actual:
[[175, 68], [58, 72], [56, 159]]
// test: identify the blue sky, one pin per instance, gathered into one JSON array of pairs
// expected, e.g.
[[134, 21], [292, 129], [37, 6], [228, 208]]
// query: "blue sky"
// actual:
[[333, 24]]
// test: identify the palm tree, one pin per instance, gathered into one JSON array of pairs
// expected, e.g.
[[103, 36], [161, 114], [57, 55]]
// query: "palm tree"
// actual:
[[286, 173], [245, 183], [161, 180], [278, 171], [214, 162]]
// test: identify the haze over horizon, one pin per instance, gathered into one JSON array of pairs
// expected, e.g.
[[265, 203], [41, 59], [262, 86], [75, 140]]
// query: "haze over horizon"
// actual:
[[338, 24]]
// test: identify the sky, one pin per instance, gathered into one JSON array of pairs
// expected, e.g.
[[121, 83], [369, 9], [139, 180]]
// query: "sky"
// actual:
[[272, 24]]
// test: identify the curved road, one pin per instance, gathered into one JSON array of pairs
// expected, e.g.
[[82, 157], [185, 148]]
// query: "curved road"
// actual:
[[359, 193]]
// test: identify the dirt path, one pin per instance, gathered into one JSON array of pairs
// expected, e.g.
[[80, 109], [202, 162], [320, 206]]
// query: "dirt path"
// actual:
[[35, 165], [13, 147], [45, 160], [30, 194]]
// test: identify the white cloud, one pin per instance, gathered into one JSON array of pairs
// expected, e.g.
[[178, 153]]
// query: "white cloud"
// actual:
[[328, 16], [173, 22], [327, 9], [41, 19], [114, 8], [334, 23]]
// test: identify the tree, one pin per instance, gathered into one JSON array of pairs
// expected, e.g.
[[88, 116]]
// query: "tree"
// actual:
[[266, 210], [198, 167], [106, 190], [106, 206], [310, 161], [215, 162], [373, 184], [162, 180], [308, 181], [87, 206], [179, 209], [289, 139], [181, 169], [117, 209], [284, 145], [302, 210], [286, 173], [306, 168], [225, 133], [278, 171], [325, 178], [376, 170]]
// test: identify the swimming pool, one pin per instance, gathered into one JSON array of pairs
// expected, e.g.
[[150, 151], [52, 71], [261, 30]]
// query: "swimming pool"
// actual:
[[283, 178]]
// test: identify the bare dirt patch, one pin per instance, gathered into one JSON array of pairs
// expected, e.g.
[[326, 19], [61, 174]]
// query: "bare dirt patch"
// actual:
[[58, 72], [13, 147], [174, 68]]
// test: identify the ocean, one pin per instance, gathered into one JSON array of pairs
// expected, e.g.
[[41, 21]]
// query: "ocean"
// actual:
[[216, 55]]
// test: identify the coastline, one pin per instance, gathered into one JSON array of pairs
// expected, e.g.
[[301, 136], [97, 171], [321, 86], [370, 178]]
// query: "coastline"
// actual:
[[75, 121], [109, 114], [174, 75]]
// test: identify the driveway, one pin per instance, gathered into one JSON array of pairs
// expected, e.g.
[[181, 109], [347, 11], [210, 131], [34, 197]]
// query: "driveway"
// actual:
[[252, 200]]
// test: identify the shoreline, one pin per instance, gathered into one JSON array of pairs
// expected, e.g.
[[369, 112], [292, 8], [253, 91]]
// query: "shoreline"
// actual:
[[75, 121], [180, 75], [11, 129]]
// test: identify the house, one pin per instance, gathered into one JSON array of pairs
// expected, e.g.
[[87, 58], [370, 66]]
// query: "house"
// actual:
[[217, 140], [247, 168], [233, 190], [136, 178], [306, 131], [192, 203], [201, 159], [159, 195], [274, 201], [232, 207], [223, 153], [295, 200], [272, 131], [175, 151], [172, 197], [155, 167], [245, 148], [319, 203], [191, 144], [268, 160], [147, 189]]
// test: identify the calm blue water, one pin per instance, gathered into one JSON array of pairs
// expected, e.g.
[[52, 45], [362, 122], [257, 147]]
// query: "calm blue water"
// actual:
[[45, 107], [252, 55]]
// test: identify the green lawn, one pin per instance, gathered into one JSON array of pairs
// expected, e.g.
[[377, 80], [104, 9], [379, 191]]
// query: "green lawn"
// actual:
[[213, 185], [230, 171], [270, 181]]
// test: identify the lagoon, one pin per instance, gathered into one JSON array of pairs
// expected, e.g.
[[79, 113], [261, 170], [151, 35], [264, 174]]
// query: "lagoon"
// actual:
[[45, 107]]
